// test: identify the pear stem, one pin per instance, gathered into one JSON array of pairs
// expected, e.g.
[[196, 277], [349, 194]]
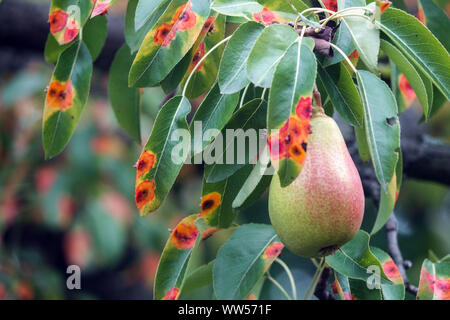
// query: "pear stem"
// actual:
[[290, 276], [317, 105]]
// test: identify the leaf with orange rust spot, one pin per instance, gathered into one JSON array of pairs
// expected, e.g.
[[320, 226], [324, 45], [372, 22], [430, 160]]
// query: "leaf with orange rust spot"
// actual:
[[145, 163], [384, 5], [341, 287], [101, 7], [205, 74], [168, 41], [395, 291], [278, 11], [242, 261], [174, 262], [289, 109], [434, 283], [67, 17], [166, 164], [66, 96]]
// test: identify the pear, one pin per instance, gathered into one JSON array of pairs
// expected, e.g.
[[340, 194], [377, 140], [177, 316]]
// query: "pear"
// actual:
[[323, 207]]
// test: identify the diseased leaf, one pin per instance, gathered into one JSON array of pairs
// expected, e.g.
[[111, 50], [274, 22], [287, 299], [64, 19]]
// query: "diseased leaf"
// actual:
[[174, 262], [232, 70], [341, 287], [66, 96], [354, 257], [159, 164], [168, 41], [101, 7], [419, 45], [396, 290], [290, 106], [244, 259], [205, 74], [434, 283], [135, 37], [381, 124], [67, 17], [217, 198], [268, 50], [145, 11], [125, 101]]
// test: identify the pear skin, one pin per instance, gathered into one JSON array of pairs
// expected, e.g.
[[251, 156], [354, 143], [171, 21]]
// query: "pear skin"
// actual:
[[323, 207]]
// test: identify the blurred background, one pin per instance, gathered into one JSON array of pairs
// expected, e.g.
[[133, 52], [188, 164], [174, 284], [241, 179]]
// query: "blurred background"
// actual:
[[78, 208]]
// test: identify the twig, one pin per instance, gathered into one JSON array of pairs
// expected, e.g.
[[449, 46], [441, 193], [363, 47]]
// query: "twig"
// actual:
[[396, 254], [321, 291]]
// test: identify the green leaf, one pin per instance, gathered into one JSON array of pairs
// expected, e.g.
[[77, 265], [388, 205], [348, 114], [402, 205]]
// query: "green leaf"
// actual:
[[184, 239], [155, 181], [53, 49], [232, 70], [381, 124], [167, 42], [387, 204], [410, 73], [360, 291], [199, 278], [243, 260], [145, 10], [135, 37], [434, 280], [419, 45], [437, 21], [217, 198], [343, 94], [363, 146], [234, 150], [268, 50], [205, 74], [344, 41], [67, 94], [94, 35], [236, 8], [256, 184], [354, 258], [125, 101], [396, 290], [365, 35], [213, 113]]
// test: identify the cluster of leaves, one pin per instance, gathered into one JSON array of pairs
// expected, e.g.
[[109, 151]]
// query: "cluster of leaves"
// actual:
[[277, 53]]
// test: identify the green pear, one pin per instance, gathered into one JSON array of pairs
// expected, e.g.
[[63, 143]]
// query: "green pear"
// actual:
[[324, 206]]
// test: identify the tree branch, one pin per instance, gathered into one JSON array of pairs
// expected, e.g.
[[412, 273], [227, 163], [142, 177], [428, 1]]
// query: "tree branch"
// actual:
[[396, 254], [321, 291]]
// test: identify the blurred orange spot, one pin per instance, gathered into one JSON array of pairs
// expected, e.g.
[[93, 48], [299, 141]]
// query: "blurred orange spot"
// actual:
[[420, 15], [442, 288], [23, 290], [172, 294], [44, 178], [77, 247], [330, 4], [406, 89], [384, 5], [265, 16]]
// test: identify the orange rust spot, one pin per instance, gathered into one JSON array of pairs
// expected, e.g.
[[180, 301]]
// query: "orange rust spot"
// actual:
[[164, 34], [406, 89], [330, 4], [210, 202], [145, 163], [209, 25], [172, 294], [251, 296], [145, 193], [391, 270], [100, 8], [273, 250], [208, 233], [71, 31], [60, 95], [354, 54], [304, 108], [420, 15], [197, 57], [57, 20], [384, 5], [265, 16], [184, 235], [442, 288], [184, 17]]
